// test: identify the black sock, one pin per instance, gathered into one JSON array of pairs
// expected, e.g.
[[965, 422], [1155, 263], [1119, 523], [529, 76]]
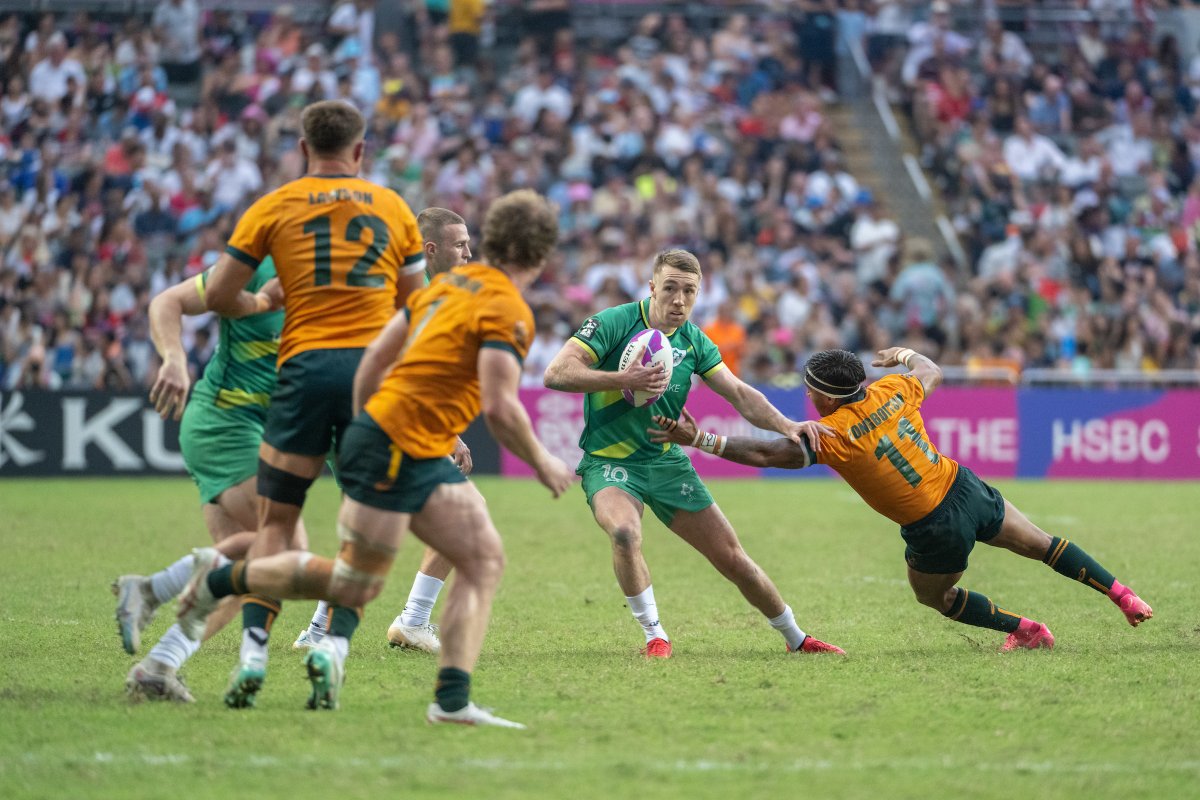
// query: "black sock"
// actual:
[[1070, 560], [973, 608], [453, 689]]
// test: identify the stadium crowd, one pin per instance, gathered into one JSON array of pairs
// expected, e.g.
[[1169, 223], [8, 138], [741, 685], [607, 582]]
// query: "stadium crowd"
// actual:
[[129, 151], [1069, 167]]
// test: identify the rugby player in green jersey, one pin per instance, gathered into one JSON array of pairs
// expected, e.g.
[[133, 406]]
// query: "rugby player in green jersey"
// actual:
[[221, 430], [623, 471]]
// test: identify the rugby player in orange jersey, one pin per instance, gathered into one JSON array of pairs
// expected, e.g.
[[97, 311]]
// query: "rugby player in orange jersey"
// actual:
[[347, 253], [879, 446], [456, 351]]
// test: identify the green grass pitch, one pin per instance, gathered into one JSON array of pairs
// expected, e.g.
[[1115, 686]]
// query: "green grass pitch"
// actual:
[[921, 708]]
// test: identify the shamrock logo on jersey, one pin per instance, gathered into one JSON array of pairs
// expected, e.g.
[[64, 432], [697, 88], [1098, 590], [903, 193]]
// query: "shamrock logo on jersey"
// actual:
[[677, 356]]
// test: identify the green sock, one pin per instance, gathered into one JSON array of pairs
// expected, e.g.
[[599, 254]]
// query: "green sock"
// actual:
[[1070, 560], [227, 580], [259, 612], [973, 608], [453, 689], [343, 621]]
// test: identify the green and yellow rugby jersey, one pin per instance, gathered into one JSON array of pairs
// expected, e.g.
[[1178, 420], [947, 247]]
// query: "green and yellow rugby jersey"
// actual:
[[612, 427], [241, 375]]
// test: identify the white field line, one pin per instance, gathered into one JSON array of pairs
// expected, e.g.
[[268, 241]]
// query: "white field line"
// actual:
[[683, 765]]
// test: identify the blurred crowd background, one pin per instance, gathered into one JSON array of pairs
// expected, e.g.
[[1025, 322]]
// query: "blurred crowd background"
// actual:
[[128, 148]]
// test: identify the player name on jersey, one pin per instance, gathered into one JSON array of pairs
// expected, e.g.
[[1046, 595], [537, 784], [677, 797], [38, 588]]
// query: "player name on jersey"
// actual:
[[340, 195], [877, 417]]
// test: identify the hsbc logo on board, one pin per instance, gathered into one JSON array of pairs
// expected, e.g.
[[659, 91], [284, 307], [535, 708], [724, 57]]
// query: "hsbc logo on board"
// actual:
[[51, 433]]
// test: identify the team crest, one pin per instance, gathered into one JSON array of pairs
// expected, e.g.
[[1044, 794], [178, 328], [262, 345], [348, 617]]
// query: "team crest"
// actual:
[[677, 356], [521, 333], [588, 329], [686, 489]]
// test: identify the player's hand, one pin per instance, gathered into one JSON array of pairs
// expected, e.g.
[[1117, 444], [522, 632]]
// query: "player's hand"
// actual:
[[272, 290], [887, 358], [679, 431], [462, 457], [641, 377], [554, 474], [169, 392], [809, 431]]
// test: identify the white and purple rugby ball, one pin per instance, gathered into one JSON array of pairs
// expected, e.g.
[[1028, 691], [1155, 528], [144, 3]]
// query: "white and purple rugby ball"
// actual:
[[657, 351]]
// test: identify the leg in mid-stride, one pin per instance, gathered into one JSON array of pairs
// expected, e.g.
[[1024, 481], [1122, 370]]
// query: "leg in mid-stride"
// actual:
[[230, 518], [937, 555], [378, 509], [712, 535], [619, 514]]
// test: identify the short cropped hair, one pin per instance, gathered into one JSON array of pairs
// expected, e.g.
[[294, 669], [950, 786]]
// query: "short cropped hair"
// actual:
[[331, 126], [681, 260], [433, 221], [835, 372], [520, 230]]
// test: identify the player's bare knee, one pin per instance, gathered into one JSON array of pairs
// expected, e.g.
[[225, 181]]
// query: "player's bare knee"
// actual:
[[626, 538], [734, 564], [932, 597]]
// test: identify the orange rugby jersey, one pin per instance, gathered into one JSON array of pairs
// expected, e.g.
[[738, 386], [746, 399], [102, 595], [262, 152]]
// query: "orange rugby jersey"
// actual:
[[431, 394], [883, 453], [340, 244]]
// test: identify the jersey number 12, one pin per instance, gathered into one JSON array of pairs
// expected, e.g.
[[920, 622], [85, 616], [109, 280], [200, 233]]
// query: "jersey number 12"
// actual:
[[360, 273]]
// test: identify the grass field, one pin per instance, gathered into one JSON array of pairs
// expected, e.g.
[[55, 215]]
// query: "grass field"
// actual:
[[921, 708]]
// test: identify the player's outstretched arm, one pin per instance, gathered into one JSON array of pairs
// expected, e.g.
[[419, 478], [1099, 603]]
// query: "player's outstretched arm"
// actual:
[[571, 371], [378, 358], [226, 291], [781, 453], [756, 409], [169, 392], [920, 367], [499, 378]]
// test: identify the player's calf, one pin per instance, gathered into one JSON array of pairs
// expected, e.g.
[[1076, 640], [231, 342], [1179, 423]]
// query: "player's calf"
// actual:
[[1070, 560]]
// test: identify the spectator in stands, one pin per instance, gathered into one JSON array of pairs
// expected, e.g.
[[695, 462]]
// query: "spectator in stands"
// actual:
[[177, 23], [49, 78], [1030, 155], [1002, 53]]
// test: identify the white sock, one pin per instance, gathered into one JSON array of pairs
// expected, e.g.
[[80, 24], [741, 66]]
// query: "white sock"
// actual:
[[421, 597], [319, 625], [167, 583], [173, 649], [785, 623], [645, 611], [341, 645], [254, 646]]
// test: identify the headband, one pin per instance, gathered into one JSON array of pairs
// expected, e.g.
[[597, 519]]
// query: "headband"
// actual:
[[828, 389]]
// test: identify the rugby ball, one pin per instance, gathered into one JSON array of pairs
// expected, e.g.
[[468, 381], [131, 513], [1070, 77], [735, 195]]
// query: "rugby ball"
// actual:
[[655, 349]]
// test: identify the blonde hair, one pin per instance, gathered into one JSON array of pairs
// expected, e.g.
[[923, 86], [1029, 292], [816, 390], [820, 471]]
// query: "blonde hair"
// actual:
[[433, 220]]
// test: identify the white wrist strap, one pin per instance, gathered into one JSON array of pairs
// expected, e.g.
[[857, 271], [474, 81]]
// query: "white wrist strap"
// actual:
[[904, 355], [709, 443]]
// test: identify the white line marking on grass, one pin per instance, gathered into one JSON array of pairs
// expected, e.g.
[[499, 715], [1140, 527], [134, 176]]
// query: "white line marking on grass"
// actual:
[[292, 762]]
